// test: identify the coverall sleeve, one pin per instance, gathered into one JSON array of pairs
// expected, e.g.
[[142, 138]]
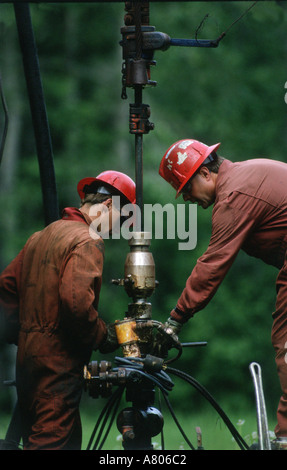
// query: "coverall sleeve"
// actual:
[[79, 291], [233, 220], [9, 300]]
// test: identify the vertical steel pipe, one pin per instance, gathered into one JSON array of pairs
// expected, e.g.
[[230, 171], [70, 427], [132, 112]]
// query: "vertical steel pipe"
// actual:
[[139, 137], [262, 421]]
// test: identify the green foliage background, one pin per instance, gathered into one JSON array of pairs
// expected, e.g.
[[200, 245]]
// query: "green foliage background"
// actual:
[[233, 94]]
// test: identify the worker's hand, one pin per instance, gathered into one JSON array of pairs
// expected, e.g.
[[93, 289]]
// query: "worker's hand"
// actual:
[[167, 337], [110, 343]]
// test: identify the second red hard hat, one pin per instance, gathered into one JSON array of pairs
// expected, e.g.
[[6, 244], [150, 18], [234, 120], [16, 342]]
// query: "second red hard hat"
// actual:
[[181, 161]]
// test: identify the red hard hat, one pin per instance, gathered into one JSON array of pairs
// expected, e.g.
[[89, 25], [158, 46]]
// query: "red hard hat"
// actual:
[[182, 160], [113, 179]]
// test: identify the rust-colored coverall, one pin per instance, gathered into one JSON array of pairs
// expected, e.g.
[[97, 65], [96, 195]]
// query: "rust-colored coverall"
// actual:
[[249, 213], [53, 285]]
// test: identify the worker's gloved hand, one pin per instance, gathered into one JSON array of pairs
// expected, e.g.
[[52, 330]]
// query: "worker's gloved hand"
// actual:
[[167, 337], [172, 327], [110, 343]]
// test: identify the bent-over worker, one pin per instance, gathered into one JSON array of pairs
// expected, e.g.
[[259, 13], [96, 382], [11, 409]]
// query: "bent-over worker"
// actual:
[[249, 201]]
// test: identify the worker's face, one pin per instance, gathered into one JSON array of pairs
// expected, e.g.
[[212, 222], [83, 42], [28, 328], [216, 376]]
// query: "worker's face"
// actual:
[[114, 217], [201, 188], [105, 217]]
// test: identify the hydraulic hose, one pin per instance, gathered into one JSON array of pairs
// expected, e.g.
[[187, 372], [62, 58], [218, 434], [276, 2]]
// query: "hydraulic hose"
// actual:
[[240, 441], [162, 380], [116, 406], [177, 423], [114, 400]]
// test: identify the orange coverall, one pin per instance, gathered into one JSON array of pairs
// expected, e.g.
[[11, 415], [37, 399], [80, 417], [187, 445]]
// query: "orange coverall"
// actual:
[[249, 213], [52, 288]]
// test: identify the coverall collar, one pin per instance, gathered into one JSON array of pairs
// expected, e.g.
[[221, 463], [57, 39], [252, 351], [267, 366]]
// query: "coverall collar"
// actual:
[[225, 165], [72, 213]]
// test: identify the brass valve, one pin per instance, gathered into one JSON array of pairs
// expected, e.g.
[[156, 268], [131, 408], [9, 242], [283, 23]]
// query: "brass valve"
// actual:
[[134, 336]]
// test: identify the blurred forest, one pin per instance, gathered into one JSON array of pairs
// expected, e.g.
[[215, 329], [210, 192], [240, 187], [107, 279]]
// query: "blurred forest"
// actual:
[[233, 94]]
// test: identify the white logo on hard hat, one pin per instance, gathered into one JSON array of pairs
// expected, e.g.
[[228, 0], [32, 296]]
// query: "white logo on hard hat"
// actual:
[[185, 143], [181, 157], [169, 166], [170, 150]]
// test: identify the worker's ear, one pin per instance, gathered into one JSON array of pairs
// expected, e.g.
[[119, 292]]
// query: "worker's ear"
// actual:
[[205, 173], [108, 203]]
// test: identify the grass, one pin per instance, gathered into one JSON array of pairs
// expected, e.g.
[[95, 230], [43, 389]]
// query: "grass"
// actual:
[[215, 434]]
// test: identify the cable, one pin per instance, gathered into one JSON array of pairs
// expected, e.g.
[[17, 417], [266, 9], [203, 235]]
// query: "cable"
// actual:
[[161, 432], [106, 410], [161, 379], [117, 403], [240, 441], [234, 22], [241, 16], [149, 377], [177, 423]]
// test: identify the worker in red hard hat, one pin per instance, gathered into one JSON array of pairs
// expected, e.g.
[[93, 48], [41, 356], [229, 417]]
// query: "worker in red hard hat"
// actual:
[[49, 295], [182, 160], [114, 182], [249, 201]]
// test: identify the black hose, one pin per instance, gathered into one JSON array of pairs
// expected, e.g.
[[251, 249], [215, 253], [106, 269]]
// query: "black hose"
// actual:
[[38, 111], [116, 403], [177, 423], [103, 415], [161, 432], [161, 379], [164, 383], [240, 441]]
